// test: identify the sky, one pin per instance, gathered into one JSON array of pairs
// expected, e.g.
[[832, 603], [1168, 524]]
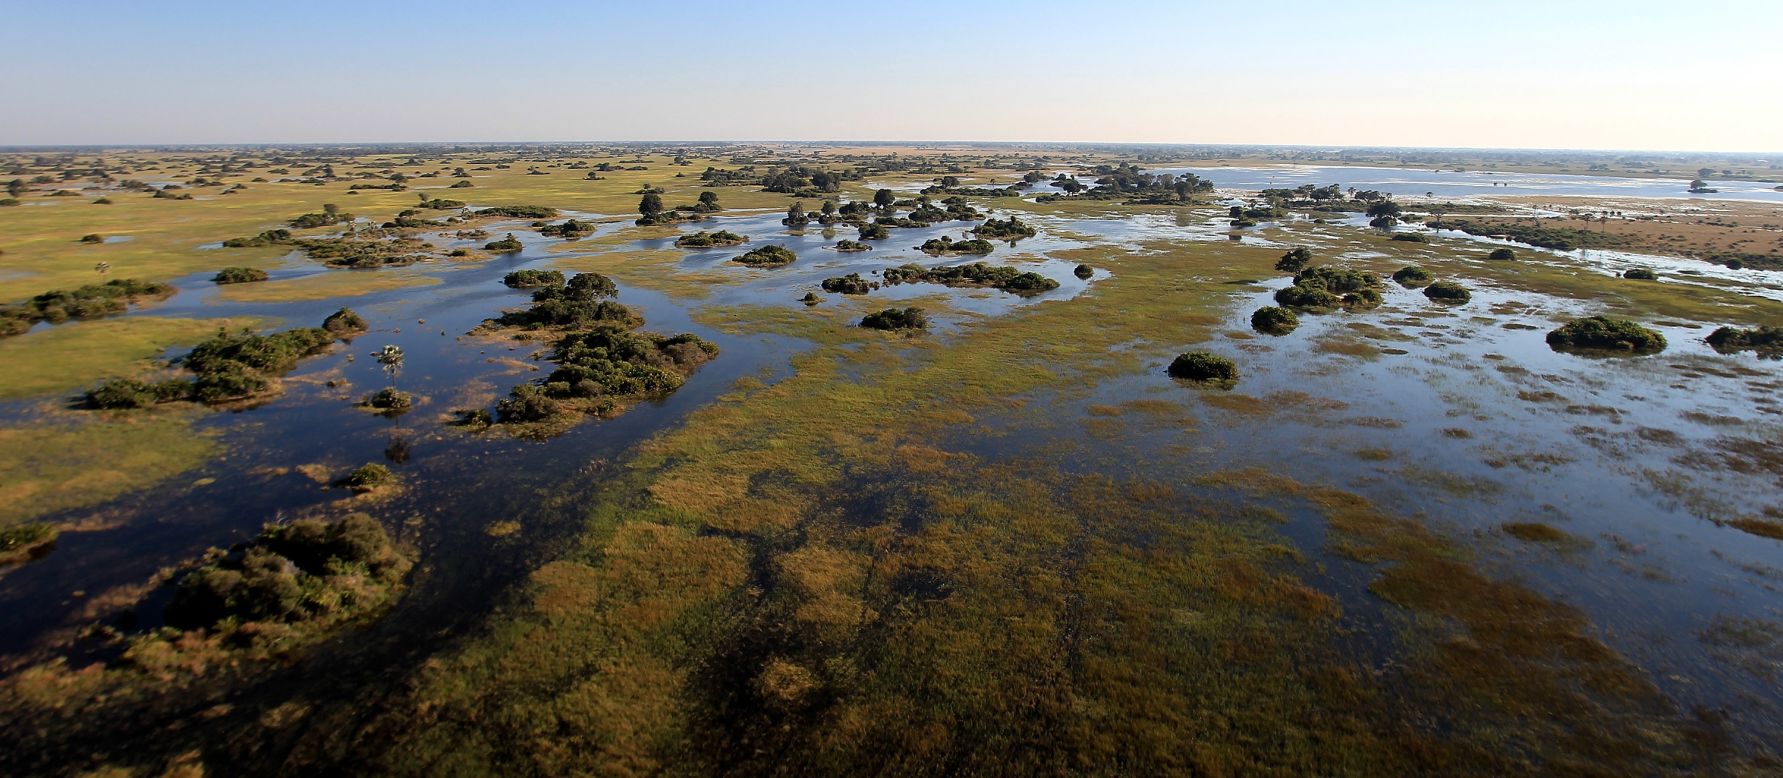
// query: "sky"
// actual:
[[1624, 74]]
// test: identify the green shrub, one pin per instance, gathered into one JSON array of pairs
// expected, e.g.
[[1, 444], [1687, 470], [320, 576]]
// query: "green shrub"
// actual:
[[570, 229], [1204, 367], [17, 541], [344, 322], [126, 393], [946, 245], [703, 239], [1295, 260], [1640, 274], [288, 573], [1307, 297], [92, 238], [851, 245], [530, 279], [389, 402], [896, 319], [1411, 237], [267, 238], [767, 256], [1602, 333], [367, 477], [1001, 277], [1004, 229], [88, 302], [239, 275], [1412, 277], [852, 283], [526, 403], [1767, 341], [1502, 254], [874, 231], [1447, 292], [519, 211], [1083, 271], [1274, 321], [506, 245]]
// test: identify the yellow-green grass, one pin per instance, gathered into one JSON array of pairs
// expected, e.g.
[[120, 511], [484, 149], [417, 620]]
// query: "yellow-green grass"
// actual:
[[76, 355], [77, 461], [997, 615], [322, 286]]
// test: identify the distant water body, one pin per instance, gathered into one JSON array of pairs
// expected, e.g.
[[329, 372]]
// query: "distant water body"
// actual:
[[1404, 182]]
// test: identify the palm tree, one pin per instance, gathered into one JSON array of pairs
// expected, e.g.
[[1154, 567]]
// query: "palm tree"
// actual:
[[391, 359]]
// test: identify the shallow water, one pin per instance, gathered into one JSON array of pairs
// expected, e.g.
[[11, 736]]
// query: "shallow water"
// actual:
[[1404, 182]]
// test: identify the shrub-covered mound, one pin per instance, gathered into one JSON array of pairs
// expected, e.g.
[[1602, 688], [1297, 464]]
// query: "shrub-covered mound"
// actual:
[[946, 245], [1205, 368], [507, 245], [344, 322], [1412, 277], [297, 576], [1502, 254], [1447, 292], [600, 360], [1274, 321], [570, 228], [852, 245], [361, 252], [1004, 229], [1327, 288], [1083, 271], [239, 275], [852, 283], [532, 279], [767, 256], [1767, 341], [1001, 277], [389, 402], [706, 240], [520, 211], [1640, 274], [92, 301], [896, 319], [582, 301], [21, 541], [1602, 333]]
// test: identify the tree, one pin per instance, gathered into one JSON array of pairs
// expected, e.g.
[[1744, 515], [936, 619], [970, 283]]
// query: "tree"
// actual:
[[1294, 261], [1704, 172], [650, 206], [390, 357], [15, 187], [885, 198], [709, 200], [795, 216]]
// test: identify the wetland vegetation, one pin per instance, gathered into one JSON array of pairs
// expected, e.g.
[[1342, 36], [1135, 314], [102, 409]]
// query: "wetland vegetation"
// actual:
[[620, 509]]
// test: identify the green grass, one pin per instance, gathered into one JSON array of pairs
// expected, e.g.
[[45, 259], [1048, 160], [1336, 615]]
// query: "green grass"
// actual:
[[70, 357], [45, 468]]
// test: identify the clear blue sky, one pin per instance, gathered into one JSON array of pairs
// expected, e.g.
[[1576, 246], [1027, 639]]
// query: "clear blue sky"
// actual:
[[1629, 74]]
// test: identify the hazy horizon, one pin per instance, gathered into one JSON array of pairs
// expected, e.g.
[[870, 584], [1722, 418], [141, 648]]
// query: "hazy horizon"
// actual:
[[1590, 76]]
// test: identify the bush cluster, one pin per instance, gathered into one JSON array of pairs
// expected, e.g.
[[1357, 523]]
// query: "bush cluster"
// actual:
[[1204, 367], [1602, 333], [1001, 277], [239, 275], [767, 256], [896, 319]]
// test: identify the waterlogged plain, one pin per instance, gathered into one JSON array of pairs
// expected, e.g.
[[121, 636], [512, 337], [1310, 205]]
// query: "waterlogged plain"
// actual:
[[1411, 537]]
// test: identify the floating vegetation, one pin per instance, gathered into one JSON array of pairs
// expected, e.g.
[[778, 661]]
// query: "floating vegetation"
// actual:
[[1602, 333]]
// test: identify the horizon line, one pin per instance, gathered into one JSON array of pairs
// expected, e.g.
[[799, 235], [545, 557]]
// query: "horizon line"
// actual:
[[9, 148]]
